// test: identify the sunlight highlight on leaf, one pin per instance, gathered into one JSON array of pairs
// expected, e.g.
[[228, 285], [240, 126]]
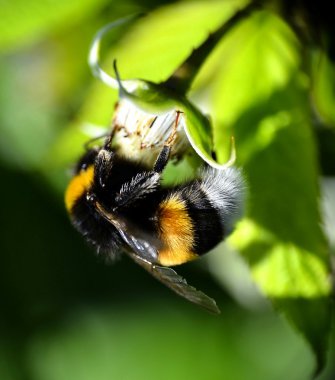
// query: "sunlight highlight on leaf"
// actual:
[[286, 270], [262, 95], [323, 89], [257, 58]]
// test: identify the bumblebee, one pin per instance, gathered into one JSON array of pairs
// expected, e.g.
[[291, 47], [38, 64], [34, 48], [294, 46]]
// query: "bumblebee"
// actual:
[[119, 205]]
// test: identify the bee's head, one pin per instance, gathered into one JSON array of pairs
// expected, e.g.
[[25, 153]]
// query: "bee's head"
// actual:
[[87, 159], [82, 180], [85, 188]]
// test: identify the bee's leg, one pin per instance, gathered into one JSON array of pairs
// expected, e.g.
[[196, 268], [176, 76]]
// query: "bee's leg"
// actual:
[[162, 159], [113, 129], [164, 154], [172, 137], [103, 165]]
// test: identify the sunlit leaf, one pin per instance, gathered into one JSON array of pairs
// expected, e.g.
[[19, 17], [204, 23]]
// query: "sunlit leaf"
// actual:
[[257, 58], [323, 89], [263, 97], [282, 238], [161, 40]]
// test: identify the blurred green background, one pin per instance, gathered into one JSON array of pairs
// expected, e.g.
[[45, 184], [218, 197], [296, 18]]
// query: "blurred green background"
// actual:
[[65, 314]]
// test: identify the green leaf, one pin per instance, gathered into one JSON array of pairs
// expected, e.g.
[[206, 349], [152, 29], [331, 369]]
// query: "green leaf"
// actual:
[[281, 238], [256, 59], [154, 30], [151, 49], [23, 23], [263, 96], [323, 87], [160, 41], [154, 98]]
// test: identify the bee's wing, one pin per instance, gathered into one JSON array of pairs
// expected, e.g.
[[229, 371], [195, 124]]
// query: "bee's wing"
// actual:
[[142, 251], [178, 284]]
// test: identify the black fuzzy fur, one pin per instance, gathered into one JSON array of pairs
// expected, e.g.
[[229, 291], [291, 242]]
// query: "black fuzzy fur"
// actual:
[[133, 192]]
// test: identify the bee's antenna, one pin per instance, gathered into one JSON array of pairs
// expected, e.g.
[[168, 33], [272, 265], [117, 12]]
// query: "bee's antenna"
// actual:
[[118, 79]]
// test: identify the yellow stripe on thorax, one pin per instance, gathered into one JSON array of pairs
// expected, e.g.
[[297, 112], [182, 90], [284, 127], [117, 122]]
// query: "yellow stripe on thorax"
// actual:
[[176, 231], [79, 184]]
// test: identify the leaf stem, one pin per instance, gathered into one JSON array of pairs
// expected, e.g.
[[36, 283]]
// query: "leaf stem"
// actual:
[[182, 78]]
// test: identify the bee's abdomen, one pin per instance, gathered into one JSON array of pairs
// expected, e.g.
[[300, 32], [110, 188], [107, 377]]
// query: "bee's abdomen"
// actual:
[[208, 230], [225, 191], [194, 218], [176, 231]]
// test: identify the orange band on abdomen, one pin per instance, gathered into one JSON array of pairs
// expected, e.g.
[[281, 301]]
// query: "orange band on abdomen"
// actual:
[[176, 231]]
